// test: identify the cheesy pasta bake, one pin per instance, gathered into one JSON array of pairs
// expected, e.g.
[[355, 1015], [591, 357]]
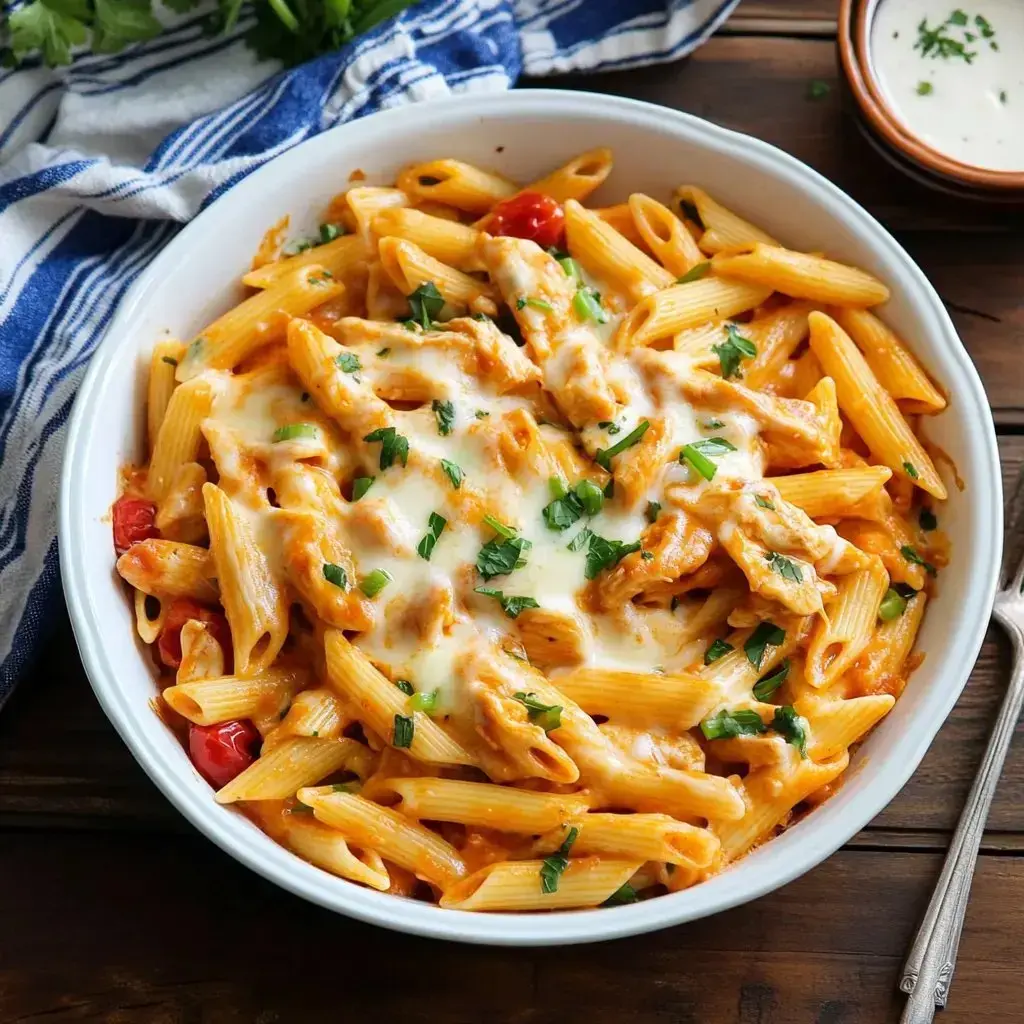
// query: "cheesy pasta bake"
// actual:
[[518, 555]]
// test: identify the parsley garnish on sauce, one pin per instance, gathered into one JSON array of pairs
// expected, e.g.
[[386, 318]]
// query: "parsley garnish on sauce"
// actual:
[[404, 728], [503, 553], [547, 716], [453, 472], [718, 649], [426, 304], [765, 687], [336, 574], [605, 554], [444, 413], [392, 446], [734, 349], [405, 686], [435, 527], [911, 555], [553, 866], [792, 727], [785, 567], [511, 606], [348, 362]]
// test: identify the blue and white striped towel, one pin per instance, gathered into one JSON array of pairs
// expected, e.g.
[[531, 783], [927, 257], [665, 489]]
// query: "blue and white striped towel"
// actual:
[[101, 162]]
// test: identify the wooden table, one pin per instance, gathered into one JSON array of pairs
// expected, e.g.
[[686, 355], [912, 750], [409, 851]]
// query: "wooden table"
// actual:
[[112, 908]]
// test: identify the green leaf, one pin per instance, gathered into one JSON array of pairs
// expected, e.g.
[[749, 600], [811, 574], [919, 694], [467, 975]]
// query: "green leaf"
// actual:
[[765, 687], [727, 724], [553, 866], [51, 28], [580, 540], [444, 413], [348, 362], [764, 503], [500, 557], [404, 729], [652, 511], [793, 727], [718, 649], [374, 582], [605, 554], [734, 349], [765, 634], [561, 513], [624, 894], [591, 496], [405, 686], [361, 485], [426, 304], [435, 527], [511, 606], [453, 472], [392, 446], [785, 567], [695, 273], [122, 22], [603, 457], [336, 574], [911, 555]]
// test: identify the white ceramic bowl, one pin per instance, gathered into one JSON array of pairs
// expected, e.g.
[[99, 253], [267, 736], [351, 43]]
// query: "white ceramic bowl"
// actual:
[[523, 134]]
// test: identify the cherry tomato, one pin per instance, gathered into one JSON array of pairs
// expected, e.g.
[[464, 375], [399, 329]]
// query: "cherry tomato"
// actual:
[[222, 751], [529, 215], [182, 609], [133, 521]]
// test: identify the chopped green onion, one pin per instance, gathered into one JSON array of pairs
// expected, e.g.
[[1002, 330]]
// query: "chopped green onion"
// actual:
[[405, 726], [557, 486], [911, 470], [653, 511], [435, 527], [702, 465], [453, 472], [727, 724], [444, 413], [499, 527], [892, 606], [374, 582], [591, 497], [553, 866], [765, 687], [336, 574], [603, 457], [329, 232], [764, 635], [718, 649], [588, 307], [534, 304], [425, 702], [292, 431], [405, 686], [361, 485], [764, 503], [348, 362], [695, 273], [571, 268]]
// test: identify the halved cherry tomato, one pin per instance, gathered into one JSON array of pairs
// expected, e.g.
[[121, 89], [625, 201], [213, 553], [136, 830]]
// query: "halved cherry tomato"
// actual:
[[530, 215], [133, 521], [222, 751], [182, 609]]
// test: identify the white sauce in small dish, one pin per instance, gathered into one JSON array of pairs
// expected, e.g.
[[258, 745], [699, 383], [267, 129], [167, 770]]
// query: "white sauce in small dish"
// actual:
[[954, 76]]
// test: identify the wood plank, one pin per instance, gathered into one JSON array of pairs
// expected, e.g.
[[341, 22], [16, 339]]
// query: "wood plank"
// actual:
[[784, 17], [63, 766], [216, 943], [970, 252]]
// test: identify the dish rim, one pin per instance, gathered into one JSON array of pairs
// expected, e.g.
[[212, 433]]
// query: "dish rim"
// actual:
[[557, 927]]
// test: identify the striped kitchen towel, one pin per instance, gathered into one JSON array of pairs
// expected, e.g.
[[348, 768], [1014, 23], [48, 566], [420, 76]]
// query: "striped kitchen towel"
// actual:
[[102, 161]]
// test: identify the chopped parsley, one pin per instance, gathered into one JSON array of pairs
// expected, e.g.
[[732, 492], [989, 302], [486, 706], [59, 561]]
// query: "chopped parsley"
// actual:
[[511, 606], [361, 485], [524, 301], [718, 649], [383, 353], [603, 457], [547, 716], [911, 555], [732, 351], [941, 43], [553, 866], [561, 513], [818, 90], [605, 554], [765, 687], [502, 554], [764, 635], [785, 567], [348, 362], [911, 470], [426, 304], [392, 446], [695, 273], [792, 727], [405, 726], [453, 472], [405, 686], [336, 574], [444, 413], [652, 511], [580, 540], [764, 503], [435, 527], [482, 414], [329, 232], [587, 305], [926, 520]]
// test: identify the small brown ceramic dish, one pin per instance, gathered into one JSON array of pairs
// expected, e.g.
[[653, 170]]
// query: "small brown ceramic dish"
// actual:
[[888, 134]]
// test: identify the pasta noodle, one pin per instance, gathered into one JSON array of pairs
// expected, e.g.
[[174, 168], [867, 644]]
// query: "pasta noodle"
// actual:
[[523, 555]]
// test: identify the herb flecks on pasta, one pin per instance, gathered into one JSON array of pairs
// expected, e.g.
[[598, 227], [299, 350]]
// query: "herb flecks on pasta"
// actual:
[[485, 508]]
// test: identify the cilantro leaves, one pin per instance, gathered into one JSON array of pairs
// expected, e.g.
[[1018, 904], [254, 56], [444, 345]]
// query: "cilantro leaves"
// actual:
[[734, 349]]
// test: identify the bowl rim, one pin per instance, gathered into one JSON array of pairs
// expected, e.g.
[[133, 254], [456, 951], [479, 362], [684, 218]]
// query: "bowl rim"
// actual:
[[853, 41], [557, 927]]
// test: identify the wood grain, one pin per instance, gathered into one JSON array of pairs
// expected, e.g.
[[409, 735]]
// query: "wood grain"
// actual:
[[198, 938]]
